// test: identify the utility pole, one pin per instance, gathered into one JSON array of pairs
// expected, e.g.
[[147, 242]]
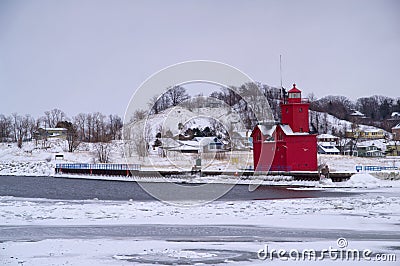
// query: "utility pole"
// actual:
[[280, 69]]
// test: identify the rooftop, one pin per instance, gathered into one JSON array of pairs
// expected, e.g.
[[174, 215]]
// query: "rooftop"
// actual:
[[55, 129], [357, 113], [326, 136], [294, 89]]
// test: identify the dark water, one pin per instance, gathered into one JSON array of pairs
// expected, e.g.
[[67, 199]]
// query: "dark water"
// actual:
[[82, 189]]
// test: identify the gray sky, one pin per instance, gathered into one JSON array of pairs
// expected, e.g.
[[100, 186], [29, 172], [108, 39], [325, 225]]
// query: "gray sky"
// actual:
[[86, 56]]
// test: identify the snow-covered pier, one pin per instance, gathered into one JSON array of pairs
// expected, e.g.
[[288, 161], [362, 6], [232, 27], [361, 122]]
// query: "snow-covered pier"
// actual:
[[135, 170]]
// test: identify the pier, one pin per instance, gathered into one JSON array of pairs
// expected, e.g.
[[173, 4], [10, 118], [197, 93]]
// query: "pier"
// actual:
[[134, 170]]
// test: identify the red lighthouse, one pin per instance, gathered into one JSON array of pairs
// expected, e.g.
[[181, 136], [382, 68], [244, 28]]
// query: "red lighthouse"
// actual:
[[286, 146]]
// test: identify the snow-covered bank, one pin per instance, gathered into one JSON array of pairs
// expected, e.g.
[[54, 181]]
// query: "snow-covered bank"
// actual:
[[27, 168]]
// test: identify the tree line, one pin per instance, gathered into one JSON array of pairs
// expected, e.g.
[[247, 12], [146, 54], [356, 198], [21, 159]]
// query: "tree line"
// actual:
[[376, 109], [90, 127]]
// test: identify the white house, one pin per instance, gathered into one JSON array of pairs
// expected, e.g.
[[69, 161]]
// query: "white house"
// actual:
[[196, 145], [327, 144]]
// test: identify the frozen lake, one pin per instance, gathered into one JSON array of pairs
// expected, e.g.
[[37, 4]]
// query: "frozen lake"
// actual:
[[57, 221]]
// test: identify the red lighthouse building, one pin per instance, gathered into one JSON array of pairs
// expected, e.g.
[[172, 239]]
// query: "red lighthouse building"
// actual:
[[286, 146]]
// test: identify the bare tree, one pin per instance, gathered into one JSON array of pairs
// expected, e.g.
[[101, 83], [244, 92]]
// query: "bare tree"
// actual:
[[164, 102], [147, 135], [115, 126], [355, 136], [6, 128], [139, 144], [89, 125], [138, 140], [197, 101], [99, 127], [80, 122], [343, 140], [155, 105], [311, 97], [54, 116], [33, 126], [103, 151], [40, 134], [138, 115], [255, 100], [28, 127], [18, 128], [73, 139], [177, 95]]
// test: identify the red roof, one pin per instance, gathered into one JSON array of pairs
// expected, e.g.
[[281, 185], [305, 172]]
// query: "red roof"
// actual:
[[294, 89]]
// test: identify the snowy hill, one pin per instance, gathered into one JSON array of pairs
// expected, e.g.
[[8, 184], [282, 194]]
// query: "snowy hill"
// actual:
[[168, 120], [329, 124]]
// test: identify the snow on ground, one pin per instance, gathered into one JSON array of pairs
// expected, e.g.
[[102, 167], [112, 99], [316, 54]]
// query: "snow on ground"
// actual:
[[373, 210], [349, 163], [364, 179], [120, 251], [27, 168], [36, 152], [375, 213]]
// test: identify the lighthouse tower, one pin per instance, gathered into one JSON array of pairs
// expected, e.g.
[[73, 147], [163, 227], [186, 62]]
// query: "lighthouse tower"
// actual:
[[288, 145], [294, 111]]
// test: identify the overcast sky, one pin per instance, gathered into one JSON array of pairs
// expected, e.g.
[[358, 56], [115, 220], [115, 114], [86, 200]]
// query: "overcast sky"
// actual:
[[87, 56]]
